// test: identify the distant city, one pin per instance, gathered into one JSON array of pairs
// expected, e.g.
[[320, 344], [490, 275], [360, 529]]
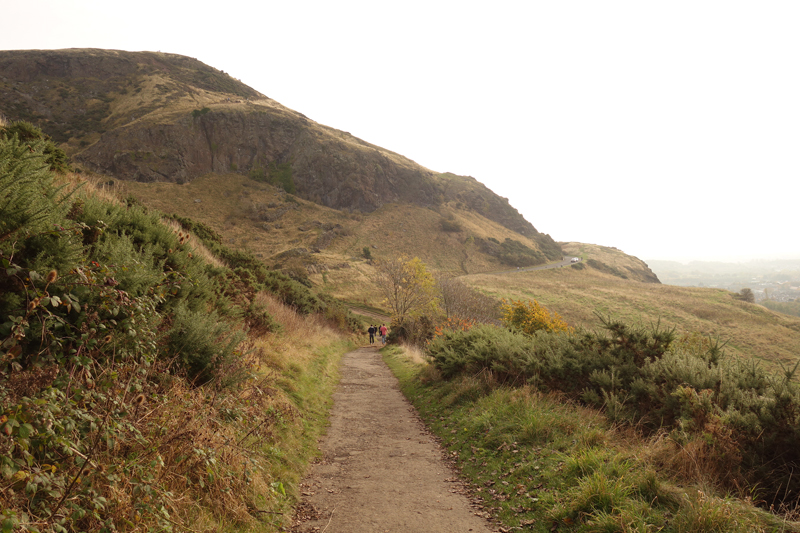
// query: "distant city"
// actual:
[[776, 280]]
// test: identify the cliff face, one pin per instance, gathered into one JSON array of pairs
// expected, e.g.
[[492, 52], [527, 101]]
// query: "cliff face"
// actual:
[[148, 116], [327, 167]]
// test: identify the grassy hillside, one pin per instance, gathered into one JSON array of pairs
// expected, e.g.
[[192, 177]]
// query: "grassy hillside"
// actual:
[[148, 117], [269, 222], [580, 293], [605, 283]]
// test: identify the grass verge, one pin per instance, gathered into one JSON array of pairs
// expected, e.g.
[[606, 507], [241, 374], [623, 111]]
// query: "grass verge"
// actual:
[[303, 364], [537, 463]]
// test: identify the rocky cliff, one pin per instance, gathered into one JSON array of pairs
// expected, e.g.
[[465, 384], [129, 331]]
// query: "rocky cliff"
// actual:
[[148, 116]]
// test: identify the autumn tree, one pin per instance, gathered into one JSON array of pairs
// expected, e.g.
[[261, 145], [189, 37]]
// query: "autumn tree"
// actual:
[[461, 302], [407, 287]]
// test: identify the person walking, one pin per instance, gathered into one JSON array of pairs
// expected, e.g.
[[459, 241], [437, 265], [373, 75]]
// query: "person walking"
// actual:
[[371, 332], [383, 330]]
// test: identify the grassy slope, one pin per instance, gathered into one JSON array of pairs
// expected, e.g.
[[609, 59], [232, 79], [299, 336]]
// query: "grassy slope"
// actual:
[[229, 203], [750, 330], [274, 416]]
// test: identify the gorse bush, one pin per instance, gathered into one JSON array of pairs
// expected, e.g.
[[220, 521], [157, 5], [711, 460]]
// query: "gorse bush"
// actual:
[[35, 140], [545, 464], [103, 312], [744, 422], [529, 317]]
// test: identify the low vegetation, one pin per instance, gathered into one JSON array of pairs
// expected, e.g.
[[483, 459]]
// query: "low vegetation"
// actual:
[[789, 308], [150, 378], [539, 462], [585, 297], [738, 421]]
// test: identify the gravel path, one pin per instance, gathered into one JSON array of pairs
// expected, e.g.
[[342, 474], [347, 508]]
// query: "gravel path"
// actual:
[[381, 471]]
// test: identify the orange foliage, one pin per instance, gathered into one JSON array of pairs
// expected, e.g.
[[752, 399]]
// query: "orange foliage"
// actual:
[[453, 324]]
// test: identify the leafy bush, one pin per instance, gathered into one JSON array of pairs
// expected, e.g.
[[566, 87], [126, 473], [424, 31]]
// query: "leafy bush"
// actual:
[[280, 175], [200, 112], [745, 420], [37, 142], [789, 308], [511, 252], [745, 295], [602, 267], [201, 341]]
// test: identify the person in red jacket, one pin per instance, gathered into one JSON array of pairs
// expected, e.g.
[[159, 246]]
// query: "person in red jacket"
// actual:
[[383, 330]]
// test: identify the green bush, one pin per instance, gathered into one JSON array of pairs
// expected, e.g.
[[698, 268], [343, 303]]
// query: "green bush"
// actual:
[[201, 341], [788, 308], [511, 252], [37, 142], [280, 175], [749, 419]]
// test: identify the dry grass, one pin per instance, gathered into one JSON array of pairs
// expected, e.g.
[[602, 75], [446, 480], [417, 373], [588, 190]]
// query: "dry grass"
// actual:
[[230, 204], [300, 335], [111, 194], [414, 354]]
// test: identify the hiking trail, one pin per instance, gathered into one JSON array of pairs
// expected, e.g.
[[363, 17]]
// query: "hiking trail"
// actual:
[[381, 471]]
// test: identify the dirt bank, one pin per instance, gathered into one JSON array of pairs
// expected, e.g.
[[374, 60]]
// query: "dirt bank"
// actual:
[[381, 471]]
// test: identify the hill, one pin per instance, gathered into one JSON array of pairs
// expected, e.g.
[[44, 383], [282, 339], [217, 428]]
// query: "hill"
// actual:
[[249, 174], [154, 117], [186, 138], [583, 294]]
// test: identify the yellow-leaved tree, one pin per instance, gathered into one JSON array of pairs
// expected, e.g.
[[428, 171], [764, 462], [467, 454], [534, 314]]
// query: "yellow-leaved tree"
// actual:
[[407, 287], [529, 317]]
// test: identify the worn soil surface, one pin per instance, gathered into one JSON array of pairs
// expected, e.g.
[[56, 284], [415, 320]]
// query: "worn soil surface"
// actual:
[[381, 470]]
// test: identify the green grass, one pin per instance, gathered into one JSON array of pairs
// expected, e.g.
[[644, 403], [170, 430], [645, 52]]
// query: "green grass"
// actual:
[[310, 386], [539, 464]]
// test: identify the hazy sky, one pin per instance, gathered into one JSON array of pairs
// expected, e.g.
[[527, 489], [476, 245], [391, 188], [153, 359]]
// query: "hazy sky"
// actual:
[[670, 130]]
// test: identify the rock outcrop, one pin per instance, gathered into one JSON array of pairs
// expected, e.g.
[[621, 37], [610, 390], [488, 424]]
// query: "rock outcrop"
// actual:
[[148, 116]]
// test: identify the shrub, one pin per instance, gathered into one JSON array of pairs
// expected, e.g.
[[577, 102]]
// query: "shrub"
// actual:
[[201, 341], [450, 226], [529, 317], [98, 302], [745, 295], [744, 422], [280, 175], [37, 142]]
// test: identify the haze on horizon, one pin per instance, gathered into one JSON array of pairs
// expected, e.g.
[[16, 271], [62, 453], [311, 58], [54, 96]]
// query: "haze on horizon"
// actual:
[[668, 131]]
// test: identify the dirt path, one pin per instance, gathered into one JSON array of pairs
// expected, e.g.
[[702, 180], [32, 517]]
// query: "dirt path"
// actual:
[[381, 470]]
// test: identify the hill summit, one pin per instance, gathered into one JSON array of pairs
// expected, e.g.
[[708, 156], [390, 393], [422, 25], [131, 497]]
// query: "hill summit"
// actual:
[[150, 116]]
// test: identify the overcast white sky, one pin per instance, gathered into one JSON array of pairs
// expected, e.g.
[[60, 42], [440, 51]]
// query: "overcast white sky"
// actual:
[[670, 130]]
